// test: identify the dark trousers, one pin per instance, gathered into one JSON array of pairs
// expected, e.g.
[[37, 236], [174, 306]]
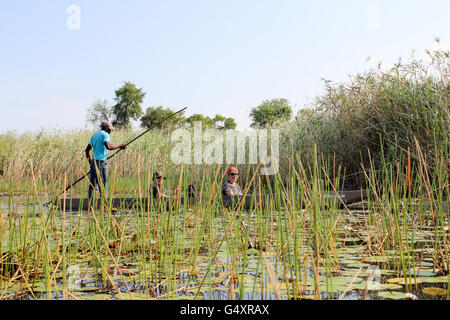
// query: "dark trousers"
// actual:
[[102, 168]]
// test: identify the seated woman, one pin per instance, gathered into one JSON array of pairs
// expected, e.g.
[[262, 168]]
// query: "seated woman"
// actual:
[[231, 188]]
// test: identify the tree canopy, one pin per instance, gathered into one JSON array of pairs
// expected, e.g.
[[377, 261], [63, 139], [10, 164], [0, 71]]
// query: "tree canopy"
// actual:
[[271, 112], [154, 115], [218, 122], [128, 100], [223, 123], [99, 111], [128, 104]]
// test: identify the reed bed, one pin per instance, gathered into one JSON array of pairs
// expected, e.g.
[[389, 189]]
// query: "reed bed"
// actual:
[[386, 133], [293, 244]]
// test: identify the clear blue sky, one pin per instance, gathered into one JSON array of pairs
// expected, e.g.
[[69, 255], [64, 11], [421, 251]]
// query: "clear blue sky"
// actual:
[[211, 56]]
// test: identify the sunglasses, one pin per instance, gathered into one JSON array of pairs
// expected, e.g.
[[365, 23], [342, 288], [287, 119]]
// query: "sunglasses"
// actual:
[[234, 174]]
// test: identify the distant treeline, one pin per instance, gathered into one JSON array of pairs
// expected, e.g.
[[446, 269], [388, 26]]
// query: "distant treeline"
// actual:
[[128, 106]]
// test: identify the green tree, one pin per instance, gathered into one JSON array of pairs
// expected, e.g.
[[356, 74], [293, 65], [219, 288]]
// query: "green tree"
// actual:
[[207, 122], [229, 123], [223, 123], [128, 104], [99, 111], [154, 115], [218, 122], [270, 112]]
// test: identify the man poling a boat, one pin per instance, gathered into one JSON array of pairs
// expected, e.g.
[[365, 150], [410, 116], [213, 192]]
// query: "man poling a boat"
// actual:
[[106, 127], [100, 143], [231, 188]]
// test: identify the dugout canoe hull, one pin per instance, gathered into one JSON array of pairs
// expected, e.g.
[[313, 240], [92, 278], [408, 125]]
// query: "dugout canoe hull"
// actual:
[[348, 197], [342, 198], [77, 204], [250, 201]]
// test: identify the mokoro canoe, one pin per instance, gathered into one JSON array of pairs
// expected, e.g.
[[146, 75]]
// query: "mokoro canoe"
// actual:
[[348, 197], [76, 204], [250, 201], [341, 198]]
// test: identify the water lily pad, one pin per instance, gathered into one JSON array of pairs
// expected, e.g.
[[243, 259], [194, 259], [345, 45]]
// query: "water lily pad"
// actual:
[[414, 281], [217, 280], [206, 289], [442, 279], [377, 286], [136, 296], [424, 273], [420, 272], [334, 289], [253, 251], [353, 272], [348, 261], [100, 296], [426, 264], [385, 271], [394, 280], [354, 250], [376, 259], [86, 289], [394, 295], [199, 297], [358, 265], [307, 297], [435, 291], [250, 289], [332, 285], [44, 289], [340, 280], [402, 281]]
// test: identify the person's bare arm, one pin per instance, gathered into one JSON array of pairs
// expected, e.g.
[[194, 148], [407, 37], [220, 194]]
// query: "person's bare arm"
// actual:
[[162, 195], [228, 192], [110, 146]]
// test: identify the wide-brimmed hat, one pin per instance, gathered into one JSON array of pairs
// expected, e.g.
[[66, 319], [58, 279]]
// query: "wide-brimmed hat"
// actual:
[[107, 125]]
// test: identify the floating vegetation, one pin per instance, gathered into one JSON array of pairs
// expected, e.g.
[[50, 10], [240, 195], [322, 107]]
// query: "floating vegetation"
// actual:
[[394, 295], [435, 291], [207, 251]]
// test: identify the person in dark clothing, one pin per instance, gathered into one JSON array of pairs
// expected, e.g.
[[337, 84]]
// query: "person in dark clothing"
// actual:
[[159, 191]]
